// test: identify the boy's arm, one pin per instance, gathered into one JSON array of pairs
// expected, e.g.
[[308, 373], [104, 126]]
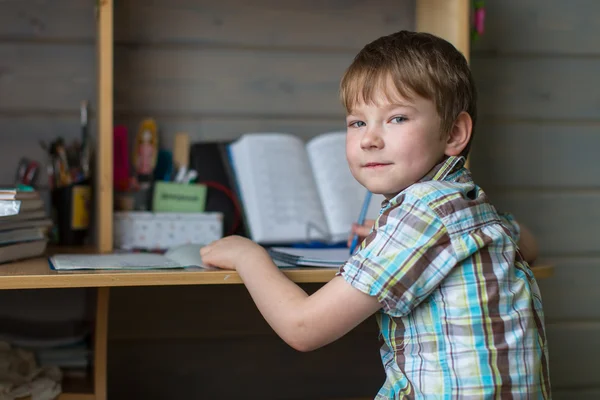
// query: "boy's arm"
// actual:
[[525, 239], [527, 244], [304, 322]]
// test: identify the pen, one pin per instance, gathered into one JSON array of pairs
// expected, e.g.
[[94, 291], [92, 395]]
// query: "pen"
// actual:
[[181, 174], [361, 220], [85, 145]]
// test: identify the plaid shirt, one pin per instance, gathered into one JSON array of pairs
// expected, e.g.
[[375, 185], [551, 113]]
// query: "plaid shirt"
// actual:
[[461, 311]]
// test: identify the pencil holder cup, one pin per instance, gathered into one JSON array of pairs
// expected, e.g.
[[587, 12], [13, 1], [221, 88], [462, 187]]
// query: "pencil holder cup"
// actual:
[[72, 206], [134, 200]]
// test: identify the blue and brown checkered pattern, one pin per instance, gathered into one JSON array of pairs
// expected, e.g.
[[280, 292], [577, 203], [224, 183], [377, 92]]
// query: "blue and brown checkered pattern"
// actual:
[[461, 313]]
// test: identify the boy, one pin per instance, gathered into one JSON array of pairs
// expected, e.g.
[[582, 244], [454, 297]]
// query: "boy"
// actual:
[[458, 308]]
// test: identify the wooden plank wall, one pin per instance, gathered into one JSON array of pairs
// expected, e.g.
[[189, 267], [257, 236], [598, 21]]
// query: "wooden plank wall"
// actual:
[[47, 67], [536, 154], [214, 69]]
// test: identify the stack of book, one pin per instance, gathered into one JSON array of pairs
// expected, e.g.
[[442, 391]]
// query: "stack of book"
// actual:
[[24, 224]]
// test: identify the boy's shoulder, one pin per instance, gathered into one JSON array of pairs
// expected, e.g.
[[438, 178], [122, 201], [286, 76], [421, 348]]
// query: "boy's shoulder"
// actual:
[[436, 192], [459, 203]]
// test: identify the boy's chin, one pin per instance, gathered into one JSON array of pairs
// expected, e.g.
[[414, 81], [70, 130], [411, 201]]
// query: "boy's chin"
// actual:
[[385, 190]]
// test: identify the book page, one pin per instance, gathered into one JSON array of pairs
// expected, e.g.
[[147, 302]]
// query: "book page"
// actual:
[[342, 196], [277, 188]]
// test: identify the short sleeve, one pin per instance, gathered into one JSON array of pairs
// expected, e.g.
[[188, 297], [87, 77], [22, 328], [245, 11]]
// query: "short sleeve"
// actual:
[[404, 259], [510, 223]]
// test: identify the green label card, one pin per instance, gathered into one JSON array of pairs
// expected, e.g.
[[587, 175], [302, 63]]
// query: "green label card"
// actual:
[[178, 197]]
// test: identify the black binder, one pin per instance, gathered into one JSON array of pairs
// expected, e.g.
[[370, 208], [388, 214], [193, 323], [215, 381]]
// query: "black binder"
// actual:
[[211, 161]]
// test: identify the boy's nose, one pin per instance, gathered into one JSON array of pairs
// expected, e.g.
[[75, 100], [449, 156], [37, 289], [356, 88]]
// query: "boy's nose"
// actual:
[[371, 140]]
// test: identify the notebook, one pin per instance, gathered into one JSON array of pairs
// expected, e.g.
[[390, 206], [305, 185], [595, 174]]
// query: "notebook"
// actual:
[[307, 257], [293, 191], [185, 256]]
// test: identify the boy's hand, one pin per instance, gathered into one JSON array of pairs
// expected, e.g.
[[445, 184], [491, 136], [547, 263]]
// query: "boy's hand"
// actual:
[[229, 252], [361, 230]]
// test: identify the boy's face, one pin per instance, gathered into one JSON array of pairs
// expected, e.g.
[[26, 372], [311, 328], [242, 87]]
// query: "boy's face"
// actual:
[[393, 143]]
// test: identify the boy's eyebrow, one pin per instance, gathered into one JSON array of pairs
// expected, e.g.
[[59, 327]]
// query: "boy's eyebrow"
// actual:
[[387, 106], [398, 105]]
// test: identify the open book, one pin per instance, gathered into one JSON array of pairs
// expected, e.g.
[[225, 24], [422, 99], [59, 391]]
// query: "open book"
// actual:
[[293, 191]]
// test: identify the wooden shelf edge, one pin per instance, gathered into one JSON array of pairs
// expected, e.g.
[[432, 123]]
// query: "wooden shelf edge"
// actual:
[[543, 271], [76, 396], [36, 274]]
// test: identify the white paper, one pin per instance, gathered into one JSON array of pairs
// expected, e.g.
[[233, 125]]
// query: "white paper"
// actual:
[[278, 189]]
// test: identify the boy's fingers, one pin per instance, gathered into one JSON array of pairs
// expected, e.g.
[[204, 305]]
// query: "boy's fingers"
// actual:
[[361, 230], [369, 223]]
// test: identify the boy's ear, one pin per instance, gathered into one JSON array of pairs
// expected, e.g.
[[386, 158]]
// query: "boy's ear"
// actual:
[[460, 134]]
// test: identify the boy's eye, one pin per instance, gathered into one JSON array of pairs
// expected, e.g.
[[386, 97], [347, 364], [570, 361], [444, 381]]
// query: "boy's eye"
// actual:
[[357, 124], [398, 120]]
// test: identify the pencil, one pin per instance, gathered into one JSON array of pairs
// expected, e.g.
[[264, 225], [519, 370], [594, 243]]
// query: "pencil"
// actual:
[[361, 220]]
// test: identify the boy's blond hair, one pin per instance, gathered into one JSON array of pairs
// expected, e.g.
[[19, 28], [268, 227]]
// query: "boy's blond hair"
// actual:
[[413, 63]]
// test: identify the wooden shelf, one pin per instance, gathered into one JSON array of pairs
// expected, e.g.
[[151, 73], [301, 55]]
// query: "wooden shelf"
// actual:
[[77, 389], [74, 389], [76, 396], [36, 274]]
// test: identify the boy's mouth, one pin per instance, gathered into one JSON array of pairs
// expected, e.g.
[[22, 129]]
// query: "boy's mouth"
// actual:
[[375, 165]]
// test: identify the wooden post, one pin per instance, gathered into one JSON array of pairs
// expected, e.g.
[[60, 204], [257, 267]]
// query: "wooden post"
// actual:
[[101, 343], [104, 154], [448, 19]]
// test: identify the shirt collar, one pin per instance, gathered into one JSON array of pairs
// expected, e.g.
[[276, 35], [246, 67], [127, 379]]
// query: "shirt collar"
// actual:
[[438, 173], [444, 168]]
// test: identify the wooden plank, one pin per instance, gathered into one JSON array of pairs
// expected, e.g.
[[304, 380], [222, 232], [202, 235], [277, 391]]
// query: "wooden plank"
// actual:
[[564, 223], [103, 189], [172, 313], [47, 20], [537, 88], [35, 274], [272, 23], [21, 136], [553, 26], [49, 77], [527, 155], [77, 389], [76, 396], [101, 343], [224, 82], [579, 394], [207, 128], [54, 306], [448, 19], [572, 293], [179, 81], [22, 133], [574, 353], [259, 367]]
